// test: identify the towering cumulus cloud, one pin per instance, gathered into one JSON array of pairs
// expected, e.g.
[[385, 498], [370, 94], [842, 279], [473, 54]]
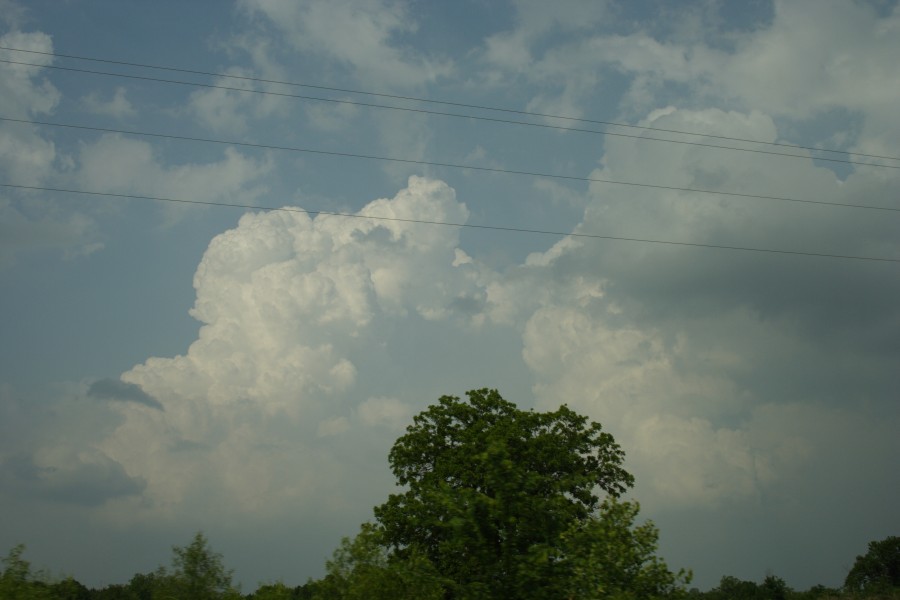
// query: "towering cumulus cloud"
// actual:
[[287, 304]]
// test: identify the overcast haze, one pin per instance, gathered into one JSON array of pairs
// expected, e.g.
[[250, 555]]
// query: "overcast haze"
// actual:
[[168, 367]]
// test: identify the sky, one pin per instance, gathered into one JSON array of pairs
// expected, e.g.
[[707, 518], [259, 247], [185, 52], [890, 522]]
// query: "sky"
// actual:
[[168, 367]]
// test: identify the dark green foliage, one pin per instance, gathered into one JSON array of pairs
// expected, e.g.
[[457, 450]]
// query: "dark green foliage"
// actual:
[[69, 589], [732, 588], [309, 590], [816, 592], [608, 556], [147, 586], [273, 591], [878, 572], [361, 569], [279, 591], [774, 588], [505, 503], [114, 592], [18, 582], [197, 573]]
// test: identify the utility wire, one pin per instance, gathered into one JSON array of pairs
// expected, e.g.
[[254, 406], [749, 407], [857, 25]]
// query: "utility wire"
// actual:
[[444, 102], [449, 114], [459, 104], [450, 224], [449, 165]]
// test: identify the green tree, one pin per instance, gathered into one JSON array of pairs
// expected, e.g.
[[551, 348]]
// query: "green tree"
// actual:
[[774, 588], [732, 588], [505, 503], [273, 591], [17, 582], [878, 571], [361, 569], [115, 591], [816, 592], [69, 589], [612, 557], [148, 586], [197, 573], [309, 590]]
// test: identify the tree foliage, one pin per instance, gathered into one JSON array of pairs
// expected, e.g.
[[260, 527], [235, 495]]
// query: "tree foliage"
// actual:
[[609, 556], [197, 573], [505, 503], [361, 569], [69, 589], [273, 591], [771, 588], [605, 556], [878, 571], [17, 582]]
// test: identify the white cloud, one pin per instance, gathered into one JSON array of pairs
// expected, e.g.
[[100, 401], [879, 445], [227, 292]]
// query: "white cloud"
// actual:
[[28, 221], [708, 218], [21, 93], [665, 346], [822, 56], [119, 164], [819, 55], [26, 158], [513, 50], [291, 309], [117, 107], [389, 412], [662, 400], [229, 110], [565, 77], [362, 40], [812, 58], [356, 35]]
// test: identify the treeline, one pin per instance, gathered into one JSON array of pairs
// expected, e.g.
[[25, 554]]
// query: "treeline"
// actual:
[[775, 588], [198, 573], [499, 503], [875, 575]]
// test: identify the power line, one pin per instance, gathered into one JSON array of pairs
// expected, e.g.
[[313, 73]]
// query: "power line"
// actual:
[[450, 224], [453, 115], [450, 165], [444, 102], [456, 115]]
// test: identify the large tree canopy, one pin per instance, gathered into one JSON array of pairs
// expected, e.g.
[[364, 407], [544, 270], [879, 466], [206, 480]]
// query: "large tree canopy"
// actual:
[[878, 571], [506, 503]]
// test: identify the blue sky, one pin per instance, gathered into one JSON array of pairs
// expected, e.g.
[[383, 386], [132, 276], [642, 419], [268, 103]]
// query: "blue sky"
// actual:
[[167, 367]]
